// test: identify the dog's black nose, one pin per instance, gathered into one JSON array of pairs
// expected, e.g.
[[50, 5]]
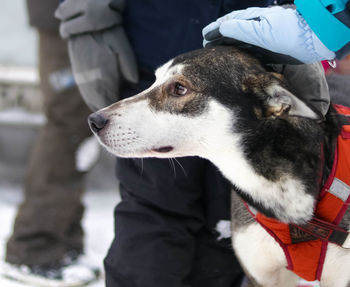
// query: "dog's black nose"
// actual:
[[97, 122]]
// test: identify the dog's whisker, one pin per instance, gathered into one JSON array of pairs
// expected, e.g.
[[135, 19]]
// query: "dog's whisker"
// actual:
[[182, 168], [172, 165]]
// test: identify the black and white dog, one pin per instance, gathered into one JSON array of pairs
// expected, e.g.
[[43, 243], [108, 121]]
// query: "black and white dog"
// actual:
[[223, 105]]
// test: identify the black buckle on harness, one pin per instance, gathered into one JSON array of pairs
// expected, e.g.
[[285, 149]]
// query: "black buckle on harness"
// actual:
[[344, 119], [318, 229]]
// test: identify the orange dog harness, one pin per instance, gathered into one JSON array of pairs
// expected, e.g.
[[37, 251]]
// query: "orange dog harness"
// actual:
[[305, 246]]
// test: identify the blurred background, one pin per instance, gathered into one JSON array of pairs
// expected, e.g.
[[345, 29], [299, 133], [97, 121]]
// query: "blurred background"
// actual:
[[16, 35], [20, 120], [20, 98], [21, 101]]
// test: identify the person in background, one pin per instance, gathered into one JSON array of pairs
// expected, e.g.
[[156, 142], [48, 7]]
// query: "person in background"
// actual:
[[47, 238]]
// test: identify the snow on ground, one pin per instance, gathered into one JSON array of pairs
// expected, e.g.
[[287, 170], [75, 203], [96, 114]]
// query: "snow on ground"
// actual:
[[97, 222]]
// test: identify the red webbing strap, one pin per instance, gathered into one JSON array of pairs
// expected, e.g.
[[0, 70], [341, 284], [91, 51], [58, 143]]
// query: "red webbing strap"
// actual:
[[335, 195], [261, 219], [303, 253]]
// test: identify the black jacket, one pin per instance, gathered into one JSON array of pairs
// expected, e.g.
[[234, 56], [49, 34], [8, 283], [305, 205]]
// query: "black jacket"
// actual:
[[41, 14], [160, 30]]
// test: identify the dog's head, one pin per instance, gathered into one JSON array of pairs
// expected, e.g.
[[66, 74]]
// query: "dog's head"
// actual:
[[197, 103]]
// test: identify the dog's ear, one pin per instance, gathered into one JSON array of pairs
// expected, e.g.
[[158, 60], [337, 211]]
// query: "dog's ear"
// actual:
[[280, 102], [277, 101]]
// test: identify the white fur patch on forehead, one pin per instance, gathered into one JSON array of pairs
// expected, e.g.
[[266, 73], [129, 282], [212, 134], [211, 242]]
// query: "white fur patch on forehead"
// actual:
[[165, 72], [162, 70]]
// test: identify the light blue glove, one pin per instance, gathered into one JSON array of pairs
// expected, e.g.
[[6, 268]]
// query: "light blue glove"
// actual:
[[276, 29]]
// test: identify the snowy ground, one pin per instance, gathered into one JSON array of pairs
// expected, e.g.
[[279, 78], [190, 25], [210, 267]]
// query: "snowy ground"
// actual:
[[97, 222]]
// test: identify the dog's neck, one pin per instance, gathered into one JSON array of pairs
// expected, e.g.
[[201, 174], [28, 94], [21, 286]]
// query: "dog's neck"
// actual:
[[268, 180], [286, 198]]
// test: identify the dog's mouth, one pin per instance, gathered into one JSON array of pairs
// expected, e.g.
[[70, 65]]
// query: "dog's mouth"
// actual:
[[164, 149]]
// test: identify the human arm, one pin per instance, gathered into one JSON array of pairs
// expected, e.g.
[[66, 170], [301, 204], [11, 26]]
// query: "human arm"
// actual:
[[99, 50], [276, 29]]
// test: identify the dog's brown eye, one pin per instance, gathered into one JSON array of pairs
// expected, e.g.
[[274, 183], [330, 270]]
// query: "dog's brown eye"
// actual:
[[179, 89]]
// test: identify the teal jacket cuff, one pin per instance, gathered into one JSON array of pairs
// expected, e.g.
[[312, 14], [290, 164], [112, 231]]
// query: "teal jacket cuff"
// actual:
[[330, 21]]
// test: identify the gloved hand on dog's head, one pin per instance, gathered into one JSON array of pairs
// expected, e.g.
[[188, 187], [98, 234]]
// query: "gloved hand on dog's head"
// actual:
[[282, 31], [100, 53], [280, 38]]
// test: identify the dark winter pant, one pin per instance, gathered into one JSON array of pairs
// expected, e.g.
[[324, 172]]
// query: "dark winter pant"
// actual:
[[48, 223]]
